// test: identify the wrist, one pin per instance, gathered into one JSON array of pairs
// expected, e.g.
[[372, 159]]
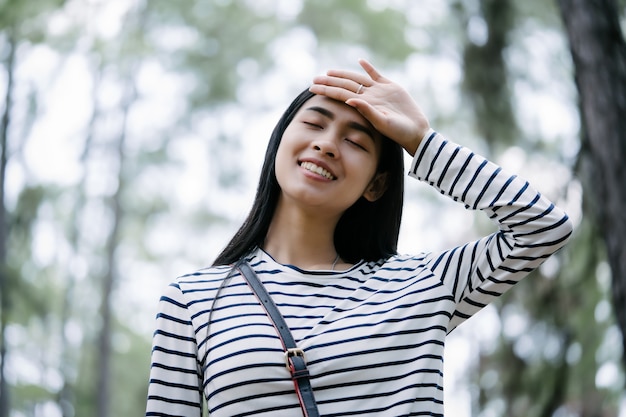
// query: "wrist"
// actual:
[[417, 140]]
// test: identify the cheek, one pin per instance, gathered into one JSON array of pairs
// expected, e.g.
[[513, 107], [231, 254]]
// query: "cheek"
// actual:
[[282, 162], [364, 166]]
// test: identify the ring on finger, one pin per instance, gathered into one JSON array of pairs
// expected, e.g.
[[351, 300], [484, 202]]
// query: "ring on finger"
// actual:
[[358, 90]]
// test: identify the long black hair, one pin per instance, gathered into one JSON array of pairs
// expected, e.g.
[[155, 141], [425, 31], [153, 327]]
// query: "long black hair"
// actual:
[[366, 230]]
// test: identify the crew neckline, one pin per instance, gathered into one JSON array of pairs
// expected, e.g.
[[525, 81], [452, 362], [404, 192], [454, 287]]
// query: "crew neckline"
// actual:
[[262, 255]]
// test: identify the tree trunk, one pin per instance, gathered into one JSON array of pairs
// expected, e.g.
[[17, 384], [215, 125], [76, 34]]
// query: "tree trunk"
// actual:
[[135, 24], [106, 312], [599, 55], [70, 357], [486, 75], [4, 289]]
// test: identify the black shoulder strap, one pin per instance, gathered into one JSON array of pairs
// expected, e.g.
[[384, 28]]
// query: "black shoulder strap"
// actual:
[[294, 356]]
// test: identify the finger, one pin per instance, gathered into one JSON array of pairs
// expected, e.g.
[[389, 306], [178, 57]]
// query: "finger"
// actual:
[[344, 83], [356, 77], [368, 111], [336, 93], [371, 71]]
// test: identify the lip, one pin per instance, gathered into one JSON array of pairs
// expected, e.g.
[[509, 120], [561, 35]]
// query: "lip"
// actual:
[[319, 163]]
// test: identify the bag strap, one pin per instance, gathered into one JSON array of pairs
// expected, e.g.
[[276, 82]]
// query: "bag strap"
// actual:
[[294, 356]]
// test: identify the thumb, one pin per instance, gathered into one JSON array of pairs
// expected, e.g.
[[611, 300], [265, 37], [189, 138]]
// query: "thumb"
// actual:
[[365, 108], [375, 117]]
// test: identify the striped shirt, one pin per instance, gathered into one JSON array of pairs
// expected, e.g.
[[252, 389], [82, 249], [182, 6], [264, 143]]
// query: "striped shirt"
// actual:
[[373, 335]]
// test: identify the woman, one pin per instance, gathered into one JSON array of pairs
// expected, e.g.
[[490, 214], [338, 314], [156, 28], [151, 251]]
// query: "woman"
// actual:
[[322, 236]]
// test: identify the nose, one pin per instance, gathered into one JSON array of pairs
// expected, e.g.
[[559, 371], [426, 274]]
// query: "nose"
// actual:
[[326, 145], [324, 151]]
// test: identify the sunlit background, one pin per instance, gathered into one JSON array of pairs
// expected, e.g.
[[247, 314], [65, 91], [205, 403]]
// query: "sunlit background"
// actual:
[[135, 139]]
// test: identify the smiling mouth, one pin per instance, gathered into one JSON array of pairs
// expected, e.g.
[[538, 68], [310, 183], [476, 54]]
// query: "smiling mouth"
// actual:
[[310, 166]]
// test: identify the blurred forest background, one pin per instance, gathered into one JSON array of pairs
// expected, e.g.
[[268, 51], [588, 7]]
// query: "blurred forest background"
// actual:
[[132, 135]]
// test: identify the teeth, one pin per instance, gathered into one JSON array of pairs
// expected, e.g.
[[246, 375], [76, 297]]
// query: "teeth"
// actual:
[[310, 166]]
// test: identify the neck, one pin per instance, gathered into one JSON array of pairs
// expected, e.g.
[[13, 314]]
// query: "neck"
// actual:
[[302, 238]]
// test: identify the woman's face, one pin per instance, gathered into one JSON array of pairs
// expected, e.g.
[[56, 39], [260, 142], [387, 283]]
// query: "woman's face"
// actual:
[[328, 157]]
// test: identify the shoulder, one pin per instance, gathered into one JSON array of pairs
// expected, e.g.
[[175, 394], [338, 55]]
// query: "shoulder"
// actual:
[[202, 277], [200, 281], [191, 294]]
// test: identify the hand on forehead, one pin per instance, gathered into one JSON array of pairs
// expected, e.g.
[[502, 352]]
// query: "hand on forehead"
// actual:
[[387, 106]]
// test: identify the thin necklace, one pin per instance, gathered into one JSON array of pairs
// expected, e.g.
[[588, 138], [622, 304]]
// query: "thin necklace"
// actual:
[[334, 263]]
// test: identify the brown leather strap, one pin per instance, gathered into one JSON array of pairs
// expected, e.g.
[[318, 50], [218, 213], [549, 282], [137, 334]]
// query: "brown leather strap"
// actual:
[[294, 356]]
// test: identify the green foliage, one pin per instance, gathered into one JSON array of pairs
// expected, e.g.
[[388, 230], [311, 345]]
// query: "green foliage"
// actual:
[[24, 276], [353, 22], [131, 366], [27, 17], [28, 396], [129, 374], [209, 40]]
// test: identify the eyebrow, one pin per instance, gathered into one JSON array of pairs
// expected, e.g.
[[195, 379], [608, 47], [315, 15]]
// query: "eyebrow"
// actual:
[[352, 124]]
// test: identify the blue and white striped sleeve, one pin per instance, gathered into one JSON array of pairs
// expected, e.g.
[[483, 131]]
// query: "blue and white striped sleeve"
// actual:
[[530, 227], [175, 377]]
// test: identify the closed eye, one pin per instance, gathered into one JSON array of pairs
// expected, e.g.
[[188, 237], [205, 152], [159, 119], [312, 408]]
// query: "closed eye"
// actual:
[[315, 125], [358, 145]]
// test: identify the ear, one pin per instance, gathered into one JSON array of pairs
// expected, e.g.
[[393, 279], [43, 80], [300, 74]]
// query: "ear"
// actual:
[[376, 187]]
